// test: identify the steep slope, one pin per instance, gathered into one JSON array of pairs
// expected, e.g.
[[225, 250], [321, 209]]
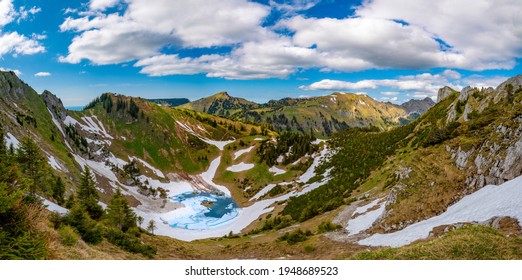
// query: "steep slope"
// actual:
[[468, 140], [322, 115]]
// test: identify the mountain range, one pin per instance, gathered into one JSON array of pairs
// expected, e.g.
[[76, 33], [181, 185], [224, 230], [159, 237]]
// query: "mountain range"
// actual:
[[322, 115], [432, 181]]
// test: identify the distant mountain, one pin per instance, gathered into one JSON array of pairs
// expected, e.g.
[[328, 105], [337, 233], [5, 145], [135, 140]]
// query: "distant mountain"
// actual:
[[221, 104], [323, 115], [420, 107], [172, 102]]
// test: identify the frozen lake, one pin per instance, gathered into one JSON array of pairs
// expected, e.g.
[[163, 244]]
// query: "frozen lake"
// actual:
[[203, 211]]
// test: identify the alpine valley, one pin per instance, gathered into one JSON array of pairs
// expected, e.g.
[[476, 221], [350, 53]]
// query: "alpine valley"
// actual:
[[340, 176]]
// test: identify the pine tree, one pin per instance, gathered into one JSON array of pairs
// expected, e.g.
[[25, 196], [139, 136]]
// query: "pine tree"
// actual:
[[119, 213], [33, 164], [58, 190], [151, 226], [88, 196]]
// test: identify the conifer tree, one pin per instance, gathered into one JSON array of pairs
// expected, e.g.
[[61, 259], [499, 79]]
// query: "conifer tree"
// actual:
[[151, 226], [119, 213], [33, 164], [58, 190], [88, 196]]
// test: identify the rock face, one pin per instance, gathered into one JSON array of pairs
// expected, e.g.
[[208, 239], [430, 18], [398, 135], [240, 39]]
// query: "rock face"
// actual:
[[54, 104], [418, 106], [443, 93]]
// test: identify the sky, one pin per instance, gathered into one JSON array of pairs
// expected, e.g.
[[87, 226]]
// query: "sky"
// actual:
[[391, 50]]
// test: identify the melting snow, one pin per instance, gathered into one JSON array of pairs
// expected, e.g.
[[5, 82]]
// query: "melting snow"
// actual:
[[265, 190], [54, 164], [366, 220], [311, 171], [149, 166], [488, 202], [276, 171], [241, 152], [54, 207], [240, 167], [10, 139], [219, 144]]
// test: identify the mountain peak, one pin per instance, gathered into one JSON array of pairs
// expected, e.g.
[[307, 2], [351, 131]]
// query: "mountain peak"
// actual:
[[222, 95]]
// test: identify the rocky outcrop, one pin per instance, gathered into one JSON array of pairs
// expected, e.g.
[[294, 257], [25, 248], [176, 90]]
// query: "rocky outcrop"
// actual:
[[443, 93], [54, 104]]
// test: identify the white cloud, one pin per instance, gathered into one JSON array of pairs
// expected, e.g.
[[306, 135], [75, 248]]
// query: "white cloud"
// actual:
[[480, 81], [390, 93], [290, 7], [340, 85], [376, 43], [149, 25], [23, 13], [16, 71], [486, 34], [418, 86], [42, 74], [16, 44], [102, 4], [389, 99], [423, 34], [7, 12]]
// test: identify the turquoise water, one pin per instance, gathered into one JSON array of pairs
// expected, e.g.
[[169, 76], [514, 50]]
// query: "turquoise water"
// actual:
[[74, 108], [195, 215]]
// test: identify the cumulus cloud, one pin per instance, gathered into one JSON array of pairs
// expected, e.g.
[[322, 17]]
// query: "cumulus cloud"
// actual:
[[13, 42], [24, 13], [102, 4], [486, 34], [397, 34], [16, 44], [147, 26], [293, 6], [416, 86], [7, 12], [16, 71], [42, 74]]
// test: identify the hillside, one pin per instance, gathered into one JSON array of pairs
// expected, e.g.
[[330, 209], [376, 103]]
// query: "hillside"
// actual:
[[131, 179], [322, 115]]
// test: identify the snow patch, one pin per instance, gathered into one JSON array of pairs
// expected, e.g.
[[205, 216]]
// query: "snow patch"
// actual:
[[366, 220], [276, 171], [53, 163], [11, 140], [241, 152], [311, 171], [219, 144], [149, 166], [54, 207], [240, 167], [488, 202]]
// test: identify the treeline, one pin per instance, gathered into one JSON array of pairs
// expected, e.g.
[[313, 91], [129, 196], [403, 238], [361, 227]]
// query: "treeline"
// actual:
[[291, 146], [25, 175], [359, 151], [118, 106]]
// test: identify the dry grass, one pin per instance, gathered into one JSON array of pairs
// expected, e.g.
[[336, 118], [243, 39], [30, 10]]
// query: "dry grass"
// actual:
[[465, 243]]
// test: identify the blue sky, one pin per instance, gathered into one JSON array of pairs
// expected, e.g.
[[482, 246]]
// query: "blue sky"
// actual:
[[392, 50]]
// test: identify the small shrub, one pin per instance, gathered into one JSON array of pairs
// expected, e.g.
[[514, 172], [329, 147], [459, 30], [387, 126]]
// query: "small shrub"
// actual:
[[68, 235]]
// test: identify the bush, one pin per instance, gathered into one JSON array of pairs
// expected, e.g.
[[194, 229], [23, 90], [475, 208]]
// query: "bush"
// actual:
[[295, 236], [68, 235], [328, 226], [129, 243]]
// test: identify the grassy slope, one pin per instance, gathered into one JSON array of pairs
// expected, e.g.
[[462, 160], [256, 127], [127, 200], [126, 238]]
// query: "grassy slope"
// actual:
[[324, 115], [466, 243], [157, 138]]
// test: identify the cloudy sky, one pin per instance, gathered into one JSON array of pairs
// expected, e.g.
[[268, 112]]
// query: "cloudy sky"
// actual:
[[392, 50]]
